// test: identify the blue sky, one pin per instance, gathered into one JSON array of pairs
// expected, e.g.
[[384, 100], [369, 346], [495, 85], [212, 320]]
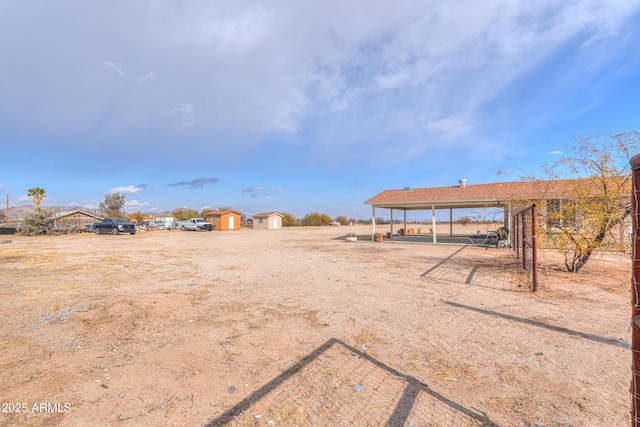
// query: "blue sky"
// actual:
[[301, 106]]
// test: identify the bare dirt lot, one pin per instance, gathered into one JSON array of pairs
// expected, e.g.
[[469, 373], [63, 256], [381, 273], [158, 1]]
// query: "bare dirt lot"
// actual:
[[298, 327]]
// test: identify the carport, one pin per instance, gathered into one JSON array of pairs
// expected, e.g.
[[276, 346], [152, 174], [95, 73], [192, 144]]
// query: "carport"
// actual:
[[463, 196]]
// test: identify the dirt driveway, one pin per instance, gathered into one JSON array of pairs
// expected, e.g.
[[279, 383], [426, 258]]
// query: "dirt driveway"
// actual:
[[298, 327]]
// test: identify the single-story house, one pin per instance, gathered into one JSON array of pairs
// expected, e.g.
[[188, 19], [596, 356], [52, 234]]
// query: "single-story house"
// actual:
[[224, 220], [268, 220], [551, 195], [74, 220]]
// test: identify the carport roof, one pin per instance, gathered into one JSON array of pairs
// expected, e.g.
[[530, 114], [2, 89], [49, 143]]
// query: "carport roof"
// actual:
[[471, 196]]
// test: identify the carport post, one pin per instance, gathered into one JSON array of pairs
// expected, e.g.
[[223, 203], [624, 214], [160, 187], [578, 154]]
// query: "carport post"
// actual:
[[450, 221], [391, 216], [507, 221], [433, 223], [405, 222], [373, 223]]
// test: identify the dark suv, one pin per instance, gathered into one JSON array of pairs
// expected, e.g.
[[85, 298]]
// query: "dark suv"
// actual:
[[115, 226]]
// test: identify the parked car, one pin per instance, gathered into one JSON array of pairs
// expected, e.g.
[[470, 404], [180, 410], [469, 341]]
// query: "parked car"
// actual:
[[115, 226], [195, 224]]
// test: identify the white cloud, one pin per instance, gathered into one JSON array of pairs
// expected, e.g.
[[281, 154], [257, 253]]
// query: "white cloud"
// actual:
[[113, 66], [136, 204], [146, 77], [556, 152], [450, 125], [391, 81], [187, 112], [130, 189], [271, 68]]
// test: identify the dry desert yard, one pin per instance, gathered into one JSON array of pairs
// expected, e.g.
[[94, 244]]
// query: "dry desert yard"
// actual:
[[298, 327]]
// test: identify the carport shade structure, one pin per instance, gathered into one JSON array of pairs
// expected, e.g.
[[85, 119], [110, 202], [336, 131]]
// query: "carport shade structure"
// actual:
[[502, 194]]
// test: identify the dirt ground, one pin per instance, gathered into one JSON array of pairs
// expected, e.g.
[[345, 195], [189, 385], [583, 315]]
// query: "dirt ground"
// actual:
[[298, 327]]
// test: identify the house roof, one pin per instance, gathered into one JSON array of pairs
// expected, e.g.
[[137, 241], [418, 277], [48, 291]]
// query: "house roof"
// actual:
[[69, 213], [476, 195], [267, 214], [222, 212]]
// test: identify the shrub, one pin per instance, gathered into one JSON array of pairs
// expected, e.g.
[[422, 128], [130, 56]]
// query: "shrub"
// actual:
[[36, 223], [464, 220], [316, 218]]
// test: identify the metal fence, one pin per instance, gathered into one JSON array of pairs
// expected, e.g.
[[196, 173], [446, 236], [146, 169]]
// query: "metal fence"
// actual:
[[635, 292], [525, 242]]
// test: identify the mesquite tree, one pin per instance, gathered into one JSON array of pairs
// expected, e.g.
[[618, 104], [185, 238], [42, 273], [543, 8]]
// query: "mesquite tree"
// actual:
[[599, 199]]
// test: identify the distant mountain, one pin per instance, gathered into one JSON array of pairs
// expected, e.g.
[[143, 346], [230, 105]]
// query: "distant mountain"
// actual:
[[16, 213]]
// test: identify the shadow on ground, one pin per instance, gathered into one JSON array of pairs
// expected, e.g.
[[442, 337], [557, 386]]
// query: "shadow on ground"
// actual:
[[337, 384], [494, 268], [479, 265], [591, 337]]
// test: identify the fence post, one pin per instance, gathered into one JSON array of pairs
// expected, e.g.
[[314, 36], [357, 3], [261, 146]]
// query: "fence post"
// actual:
[[524, 240], [635, 296], [534, 247], [516, 224]]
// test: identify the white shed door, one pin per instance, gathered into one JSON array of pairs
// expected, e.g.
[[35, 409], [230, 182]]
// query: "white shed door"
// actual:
[[231, 227], [275, 222]]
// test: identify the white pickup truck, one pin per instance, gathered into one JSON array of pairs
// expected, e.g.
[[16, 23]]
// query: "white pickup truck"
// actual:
[[195, 224]]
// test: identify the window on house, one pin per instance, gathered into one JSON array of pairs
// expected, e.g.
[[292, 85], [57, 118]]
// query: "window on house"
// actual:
[[561, 213], [259, 220], [554, 213]]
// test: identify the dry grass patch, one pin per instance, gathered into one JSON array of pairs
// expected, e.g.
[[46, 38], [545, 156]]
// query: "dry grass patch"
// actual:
[[174, 326], [13, 256]]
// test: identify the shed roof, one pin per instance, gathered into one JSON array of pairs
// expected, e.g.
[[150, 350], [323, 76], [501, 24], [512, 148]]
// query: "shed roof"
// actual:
[[266, 214], [476, 195], [222, 212]]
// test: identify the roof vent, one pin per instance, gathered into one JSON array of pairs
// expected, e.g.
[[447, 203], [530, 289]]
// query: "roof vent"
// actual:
[[406, 189], [462, 182]]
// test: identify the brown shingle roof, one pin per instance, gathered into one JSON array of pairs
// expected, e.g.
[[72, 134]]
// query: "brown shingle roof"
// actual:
[[477, 195]]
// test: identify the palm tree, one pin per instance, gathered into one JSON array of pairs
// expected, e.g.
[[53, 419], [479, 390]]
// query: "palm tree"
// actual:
[[37, 194]]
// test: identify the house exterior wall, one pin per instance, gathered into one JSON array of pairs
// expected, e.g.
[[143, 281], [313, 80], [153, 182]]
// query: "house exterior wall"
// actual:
[[270, 222], [75, 220]]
